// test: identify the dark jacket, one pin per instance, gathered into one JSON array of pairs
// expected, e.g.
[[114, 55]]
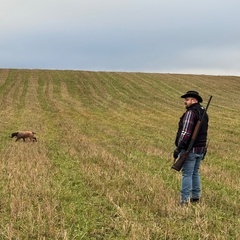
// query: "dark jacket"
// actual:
[[201, 138]]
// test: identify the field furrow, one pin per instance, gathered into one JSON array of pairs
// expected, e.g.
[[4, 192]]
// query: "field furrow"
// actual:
[[101, 168]]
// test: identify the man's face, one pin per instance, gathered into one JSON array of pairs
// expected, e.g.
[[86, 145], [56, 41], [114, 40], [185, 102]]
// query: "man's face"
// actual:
[[189, 101]]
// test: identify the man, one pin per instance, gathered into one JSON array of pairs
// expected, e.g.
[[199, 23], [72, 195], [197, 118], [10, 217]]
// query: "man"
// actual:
[[191, 188]]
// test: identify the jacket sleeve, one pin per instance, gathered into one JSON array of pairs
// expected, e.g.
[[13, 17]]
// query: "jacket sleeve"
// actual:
[[187, 130]]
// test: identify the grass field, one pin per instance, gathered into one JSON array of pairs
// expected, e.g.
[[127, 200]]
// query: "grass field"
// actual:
[[101, 168]]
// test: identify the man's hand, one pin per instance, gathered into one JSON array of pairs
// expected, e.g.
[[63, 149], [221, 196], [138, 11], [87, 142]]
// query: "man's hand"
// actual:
[[176, 153]]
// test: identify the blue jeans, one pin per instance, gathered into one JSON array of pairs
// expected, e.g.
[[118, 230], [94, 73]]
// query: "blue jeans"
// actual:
[[191, 185]]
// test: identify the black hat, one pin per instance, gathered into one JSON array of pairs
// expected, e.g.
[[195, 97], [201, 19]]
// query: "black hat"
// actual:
[[192, 94]]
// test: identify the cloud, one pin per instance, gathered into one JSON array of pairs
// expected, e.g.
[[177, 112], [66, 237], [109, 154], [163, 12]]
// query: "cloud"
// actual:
[[131, 35]]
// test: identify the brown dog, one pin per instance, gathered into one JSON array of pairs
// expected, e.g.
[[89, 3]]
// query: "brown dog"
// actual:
[[24, 135]]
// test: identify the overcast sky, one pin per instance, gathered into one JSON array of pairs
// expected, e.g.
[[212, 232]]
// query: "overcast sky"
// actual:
[[166, 36]]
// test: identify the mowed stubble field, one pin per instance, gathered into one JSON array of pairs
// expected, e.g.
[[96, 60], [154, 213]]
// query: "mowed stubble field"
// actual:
[[101, 168]]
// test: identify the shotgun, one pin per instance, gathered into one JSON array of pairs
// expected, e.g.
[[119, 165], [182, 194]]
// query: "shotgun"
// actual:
[[178, 163]]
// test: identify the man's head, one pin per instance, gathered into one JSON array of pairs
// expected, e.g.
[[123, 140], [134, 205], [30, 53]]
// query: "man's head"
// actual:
[[191, 97], [190, 101]]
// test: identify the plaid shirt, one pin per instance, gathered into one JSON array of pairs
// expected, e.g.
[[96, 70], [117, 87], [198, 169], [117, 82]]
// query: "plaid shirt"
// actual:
[[187, 130]]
